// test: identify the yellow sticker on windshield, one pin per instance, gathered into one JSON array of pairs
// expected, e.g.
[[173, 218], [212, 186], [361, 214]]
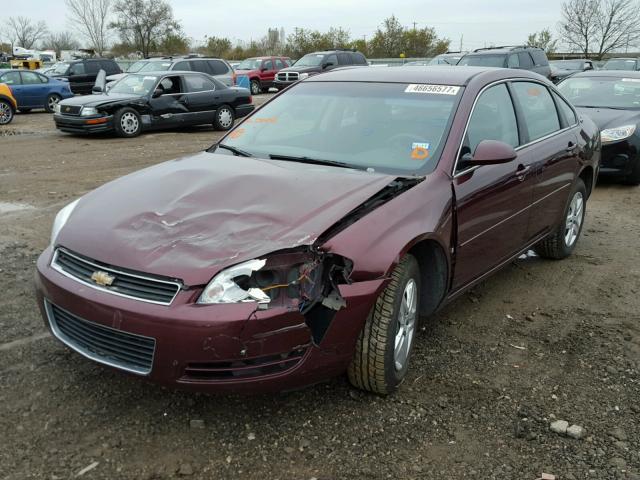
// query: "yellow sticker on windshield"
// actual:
[[433, 89]]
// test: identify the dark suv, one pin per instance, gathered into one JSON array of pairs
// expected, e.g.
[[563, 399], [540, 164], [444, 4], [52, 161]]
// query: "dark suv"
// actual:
[[522, 57], [81, 74], [318, 62]]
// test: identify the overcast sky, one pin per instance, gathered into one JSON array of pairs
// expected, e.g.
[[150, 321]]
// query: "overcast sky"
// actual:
[[496, 22]]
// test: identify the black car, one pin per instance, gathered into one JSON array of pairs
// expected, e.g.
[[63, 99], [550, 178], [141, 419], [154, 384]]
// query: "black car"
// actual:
[[521, 57], [612, 100], [81, 74], [561, 69], [155, 100], [317, 62]]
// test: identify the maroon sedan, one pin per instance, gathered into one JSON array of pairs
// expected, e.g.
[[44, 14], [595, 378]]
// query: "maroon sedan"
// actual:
[[312, 237]]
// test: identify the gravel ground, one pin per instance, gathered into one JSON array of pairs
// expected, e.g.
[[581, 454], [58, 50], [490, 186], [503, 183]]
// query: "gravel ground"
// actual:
[[540, 341]]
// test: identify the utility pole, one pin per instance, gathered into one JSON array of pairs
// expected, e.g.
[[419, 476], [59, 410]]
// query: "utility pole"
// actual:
[[461, 38], [414, 26]]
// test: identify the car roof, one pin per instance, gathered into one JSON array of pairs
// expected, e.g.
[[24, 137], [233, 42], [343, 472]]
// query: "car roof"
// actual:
[[433, 74], [501, 50], [622, 58], [609, 73]]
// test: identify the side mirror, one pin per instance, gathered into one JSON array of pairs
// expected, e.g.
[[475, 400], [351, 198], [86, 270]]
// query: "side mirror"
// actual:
[[96, 89], [157, 92], [491, 152]]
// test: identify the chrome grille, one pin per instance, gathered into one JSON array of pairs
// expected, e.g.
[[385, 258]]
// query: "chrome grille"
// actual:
[[125, 283], [127, 351], [70, 109], [288, 76]]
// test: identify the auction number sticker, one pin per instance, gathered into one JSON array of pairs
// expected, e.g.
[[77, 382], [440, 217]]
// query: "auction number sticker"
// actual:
[[433, 89]]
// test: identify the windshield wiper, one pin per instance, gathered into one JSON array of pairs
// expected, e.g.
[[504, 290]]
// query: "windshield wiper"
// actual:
[[236, 151], [600, 106], [314, 161]]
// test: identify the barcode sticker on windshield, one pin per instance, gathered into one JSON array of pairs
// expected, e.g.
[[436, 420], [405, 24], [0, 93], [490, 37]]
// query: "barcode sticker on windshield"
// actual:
[[433, 89]]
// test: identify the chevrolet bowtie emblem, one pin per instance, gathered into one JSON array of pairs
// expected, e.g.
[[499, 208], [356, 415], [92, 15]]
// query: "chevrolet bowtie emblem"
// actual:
[[102, 278]]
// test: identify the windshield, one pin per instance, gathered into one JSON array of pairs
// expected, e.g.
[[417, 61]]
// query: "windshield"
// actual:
[[602, 92], [620, 64], [155, 67], [568, 64], [135, 85], [60, 69], [389, 127], [311, 60], [484, 60], [135, 67], [249, 64]]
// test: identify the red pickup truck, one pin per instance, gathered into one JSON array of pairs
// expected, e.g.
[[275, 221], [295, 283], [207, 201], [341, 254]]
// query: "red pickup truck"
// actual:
[[262, 71]]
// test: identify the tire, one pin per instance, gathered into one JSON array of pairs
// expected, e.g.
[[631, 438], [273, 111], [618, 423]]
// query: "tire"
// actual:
[[6, 112], [51, 102], [562, 241], [24, 110], [634, 177], [377, 366], [224, 118], [127, 123], [255, 87]]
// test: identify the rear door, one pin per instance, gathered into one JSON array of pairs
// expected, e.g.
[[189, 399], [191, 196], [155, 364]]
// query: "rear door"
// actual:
[[35, 89], [14, 81], [492, 201], [201, 99], [551, 149]]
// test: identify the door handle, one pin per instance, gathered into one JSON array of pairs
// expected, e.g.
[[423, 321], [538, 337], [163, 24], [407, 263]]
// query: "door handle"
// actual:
[[522, 171], [571, 147]]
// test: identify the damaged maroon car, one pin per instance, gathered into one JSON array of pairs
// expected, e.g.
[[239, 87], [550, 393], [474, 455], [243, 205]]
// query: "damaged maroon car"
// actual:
[[311, 239]]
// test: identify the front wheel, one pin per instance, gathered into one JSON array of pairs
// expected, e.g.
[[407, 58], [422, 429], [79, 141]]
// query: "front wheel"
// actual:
[[52, 101], [127, 123], [6, 112], [383, 349], [562, 241], [224, 118]]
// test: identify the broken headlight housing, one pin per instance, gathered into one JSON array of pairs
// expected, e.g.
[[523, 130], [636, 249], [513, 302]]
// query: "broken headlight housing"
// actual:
[[226, 285], [60, 220]]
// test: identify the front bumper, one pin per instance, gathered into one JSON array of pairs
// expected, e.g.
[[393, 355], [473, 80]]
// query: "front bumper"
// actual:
[[618, 158], [214, 348], [78, 124], [281, 85]]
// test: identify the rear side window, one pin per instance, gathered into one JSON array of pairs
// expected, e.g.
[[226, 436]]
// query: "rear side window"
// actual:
[[92, 67], [200, 66], [525, 60], [198, 83], [218, 67], [77, 69], [539, 58], [566, 111], [513, 61], [538, 109], [344, 59], [110, 67], [182, 66], [358, 59], [31, 78], [493, 118]]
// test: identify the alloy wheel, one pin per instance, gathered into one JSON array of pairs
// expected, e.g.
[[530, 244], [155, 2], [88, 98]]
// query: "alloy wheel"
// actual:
[[6, 114], [574, 219], [129, 123], [406, 324], [52, 101], [255, 88]]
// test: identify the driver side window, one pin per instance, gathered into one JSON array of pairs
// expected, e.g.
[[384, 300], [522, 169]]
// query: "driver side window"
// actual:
[[493, 118]]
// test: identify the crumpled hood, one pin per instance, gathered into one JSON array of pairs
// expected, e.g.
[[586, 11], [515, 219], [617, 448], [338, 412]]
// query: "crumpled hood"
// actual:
[[97, 100], [610, 118], [189, 218]]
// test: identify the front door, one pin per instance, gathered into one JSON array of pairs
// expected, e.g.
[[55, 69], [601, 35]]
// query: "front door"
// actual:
[[267, 73], [168, 110], [492, 201]]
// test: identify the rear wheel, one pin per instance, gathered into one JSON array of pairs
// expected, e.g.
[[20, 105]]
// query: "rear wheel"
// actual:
[[255, 87], [561, 242], [127, 123], [52, 101], [383, 350], [224, 118], [6, 112]]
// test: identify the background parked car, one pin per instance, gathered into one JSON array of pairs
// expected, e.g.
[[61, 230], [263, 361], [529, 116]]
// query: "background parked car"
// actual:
[[155, 100], [8, 104], [81, 74], [216, 67], [521, 57], [133, 68], [612, 100], [449, 58], [630, 64], [561, 69], [318, 62], [262, 71], [35, 90]]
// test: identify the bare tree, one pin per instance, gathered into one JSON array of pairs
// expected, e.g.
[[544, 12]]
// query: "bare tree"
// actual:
[[22, 32], [600, 26], [92, 19], [60, 41], [144, 23]]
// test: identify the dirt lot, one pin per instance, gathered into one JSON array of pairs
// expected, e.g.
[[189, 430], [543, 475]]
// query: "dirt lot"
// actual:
[[539, 341]]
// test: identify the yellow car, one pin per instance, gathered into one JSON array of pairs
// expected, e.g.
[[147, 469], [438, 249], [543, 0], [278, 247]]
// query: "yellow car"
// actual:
[[8, 104]]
